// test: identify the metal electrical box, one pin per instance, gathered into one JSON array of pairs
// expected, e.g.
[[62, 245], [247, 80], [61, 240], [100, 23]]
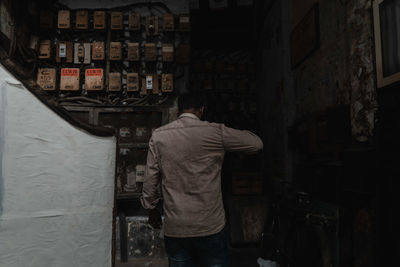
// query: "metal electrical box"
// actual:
[[152, 25], [167, 83], [82, 53], [64, 52], [132, 82], [150, 52], [150, 83], [82, 20], [46, 79], [45, 49], [114, 81], [69, 80], [184, 23], [64, 19], [99, 20], [167, 52], [134, 21], [94, 79], [133, 52], [46, 19], [117, 22], [98, 51], [115, 51], [168, 23]]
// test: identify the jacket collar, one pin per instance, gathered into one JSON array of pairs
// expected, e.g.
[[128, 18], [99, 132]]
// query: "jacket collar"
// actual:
[[189, 115]]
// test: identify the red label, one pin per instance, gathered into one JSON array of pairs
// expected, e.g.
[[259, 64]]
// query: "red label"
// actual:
[[94, 72], [69, 72]]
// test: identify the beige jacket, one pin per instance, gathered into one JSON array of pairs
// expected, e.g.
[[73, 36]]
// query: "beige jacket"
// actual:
[[186, 157]]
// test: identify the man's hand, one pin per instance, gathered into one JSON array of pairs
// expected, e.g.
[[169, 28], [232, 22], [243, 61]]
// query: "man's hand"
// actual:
[[155, 218]]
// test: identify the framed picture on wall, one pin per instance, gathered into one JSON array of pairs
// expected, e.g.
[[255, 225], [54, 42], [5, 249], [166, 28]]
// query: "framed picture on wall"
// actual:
[[305, 37], [387, 40]]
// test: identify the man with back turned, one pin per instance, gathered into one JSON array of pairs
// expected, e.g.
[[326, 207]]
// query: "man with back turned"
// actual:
[[186, 157]]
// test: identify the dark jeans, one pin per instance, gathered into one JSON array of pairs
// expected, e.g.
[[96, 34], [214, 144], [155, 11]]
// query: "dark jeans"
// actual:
[[205, 251]]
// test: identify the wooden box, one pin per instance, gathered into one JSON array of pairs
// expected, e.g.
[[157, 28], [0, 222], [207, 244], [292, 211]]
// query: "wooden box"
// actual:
[[133, 52], [114, 81], [45, 49], [134, 23], [167, 52], [64, 19], [117, 21], [168, 23], [167, 83], [99, 20], [46, 79], [152, 25], [81, 20], [115, 51], [132, 82], [69, 80], [98, 51], [150, 52], [94, 79]]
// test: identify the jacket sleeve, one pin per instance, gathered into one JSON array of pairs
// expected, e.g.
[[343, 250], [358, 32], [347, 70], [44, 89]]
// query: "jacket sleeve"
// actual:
[[151, 185], [240, 141]]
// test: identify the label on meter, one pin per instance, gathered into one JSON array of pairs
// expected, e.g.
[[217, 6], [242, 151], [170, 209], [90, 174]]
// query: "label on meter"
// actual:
[[46, 79], [94, 79], [69, 79]]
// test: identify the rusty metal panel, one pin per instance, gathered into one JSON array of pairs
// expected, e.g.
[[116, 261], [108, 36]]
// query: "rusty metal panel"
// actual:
[[133, 52], [114, 81], [132, 82], [94, 79], [168, 52], [168, 23], [69, 80], [45, 49], [64, 19], [150, 52], [184, 23], [117, 21], [134, 21], [150, 83], [82, 20], [98, 51], [152, 25], [46, 78], [115, 51], [99, 20], [167, 83]]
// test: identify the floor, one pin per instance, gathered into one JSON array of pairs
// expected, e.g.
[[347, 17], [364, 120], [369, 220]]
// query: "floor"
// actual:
[[240, 257]]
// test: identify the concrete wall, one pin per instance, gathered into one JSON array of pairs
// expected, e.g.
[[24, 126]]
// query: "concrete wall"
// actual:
[[340, 71]]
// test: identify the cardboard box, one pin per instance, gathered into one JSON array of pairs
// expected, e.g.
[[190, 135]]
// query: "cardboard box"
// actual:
[[94, 79], [167, 83], [99, 20], [168, 23], [132, 82], [167, 52], [64, 19], [115, 51], [69, 80], [150, 52], [134, 23], [81, 20], [133, 52], [46, 79], [152, 25], [114, 81], [45, 49], [117, 21], [98, 51]]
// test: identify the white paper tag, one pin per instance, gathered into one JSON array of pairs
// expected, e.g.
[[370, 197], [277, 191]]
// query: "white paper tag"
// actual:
[[149, 82]]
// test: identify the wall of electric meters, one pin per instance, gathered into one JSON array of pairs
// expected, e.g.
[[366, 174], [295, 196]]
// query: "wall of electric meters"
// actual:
[[113, 57]]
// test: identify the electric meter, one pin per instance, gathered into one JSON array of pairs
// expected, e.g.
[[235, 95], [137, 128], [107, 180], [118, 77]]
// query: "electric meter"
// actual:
[[69, 80]]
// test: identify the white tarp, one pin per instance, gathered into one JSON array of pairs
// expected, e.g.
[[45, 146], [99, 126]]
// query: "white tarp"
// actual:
[[56, 186]]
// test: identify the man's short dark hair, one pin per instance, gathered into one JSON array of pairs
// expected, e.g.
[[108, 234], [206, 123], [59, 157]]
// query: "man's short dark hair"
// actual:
[[191, 100]]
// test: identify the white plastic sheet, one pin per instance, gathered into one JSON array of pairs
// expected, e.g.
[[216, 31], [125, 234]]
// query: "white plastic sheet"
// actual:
[[56, 186]]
